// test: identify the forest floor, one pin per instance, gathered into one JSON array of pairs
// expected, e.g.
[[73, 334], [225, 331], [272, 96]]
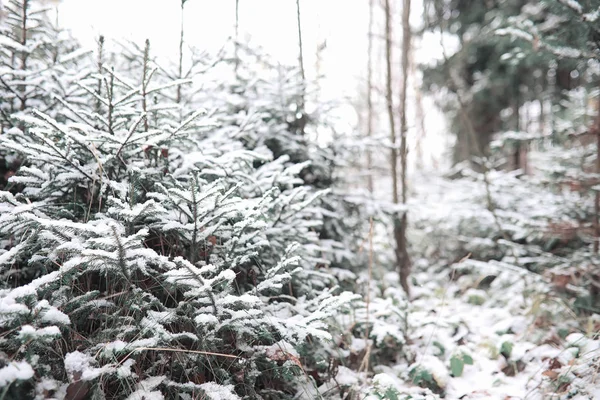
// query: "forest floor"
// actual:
[[470, 339], [486, 330], [504, 340]]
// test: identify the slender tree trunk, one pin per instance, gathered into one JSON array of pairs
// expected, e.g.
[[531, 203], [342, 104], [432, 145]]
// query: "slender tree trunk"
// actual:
[[406, 42], [400, 231], [518, 145], [541, 97], [302, 119], [594, 275], [100, 64], [110, 91], [399, 222], [542, 118], [420, 113], [596, 222], [180, 65], [389, 101], [300, 51], [370, 97], [24, 55], [517, 156], [237, 29], [145, 79]]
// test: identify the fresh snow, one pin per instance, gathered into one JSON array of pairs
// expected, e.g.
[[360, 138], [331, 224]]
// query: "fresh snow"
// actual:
[[15, 370], [51, 314], [77, 362], [146, 395], [215, 391], [29, 332], [573, 4]]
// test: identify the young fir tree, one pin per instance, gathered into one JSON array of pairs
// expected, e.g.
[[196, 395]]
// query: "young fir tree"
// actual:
[[263, 118]]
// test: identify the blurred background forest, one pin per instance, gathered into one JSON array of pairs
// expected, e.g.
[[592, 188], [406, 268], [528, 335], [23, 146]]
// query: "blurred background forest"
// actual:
[[299, 199]]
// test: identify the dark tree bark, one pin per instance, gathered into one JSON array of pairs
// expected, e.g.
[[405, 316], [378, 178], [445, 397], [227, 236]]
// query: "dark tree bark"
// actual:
[[389, 101], [596, 222], [404, 263]]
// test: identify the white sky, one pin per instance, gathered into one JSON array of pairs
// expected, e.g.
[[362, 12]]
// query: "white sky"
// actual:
[[268, 23]]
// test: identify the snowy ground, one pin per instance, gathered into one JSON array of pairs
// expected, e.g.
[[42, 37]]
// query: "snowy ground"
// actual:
[[481, 330], [512, 346], [517, 351]]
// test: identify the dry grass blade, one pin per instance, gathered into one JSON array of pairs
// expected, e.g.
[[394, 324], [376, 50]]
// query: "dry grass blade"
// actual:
[[205, 353]]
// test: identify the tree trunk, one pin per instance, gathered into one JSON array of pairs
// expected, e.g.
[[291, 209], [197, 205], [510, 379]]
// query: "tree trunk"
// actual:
[[370, 98], [401, 242], [24, 54], [399, 222], [180, 66], [389, 101], [302, 118], [594, 276], [237, 28], [300, 52], [518, 145], [100, 64], [145, 76], [596, 221], [420, 114], [519, 152]]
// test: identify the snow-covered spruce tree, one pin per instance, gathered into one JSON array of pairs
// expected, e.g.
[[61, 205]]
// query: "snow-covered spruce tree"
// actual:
[[36, 60], [253, 109], [343, 236], [162, 259]]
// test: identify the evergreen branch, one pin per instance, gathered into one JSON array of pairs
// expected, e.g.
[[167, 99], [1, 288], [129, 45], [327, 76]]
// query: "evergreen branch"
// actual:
[[111, 72], [188, 121], [169, 85], [121, 252], [17, 94], [52, 123], [195, 184], [93, 93], [131, 132], [127, 96], [68, 106], [187, 265]]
